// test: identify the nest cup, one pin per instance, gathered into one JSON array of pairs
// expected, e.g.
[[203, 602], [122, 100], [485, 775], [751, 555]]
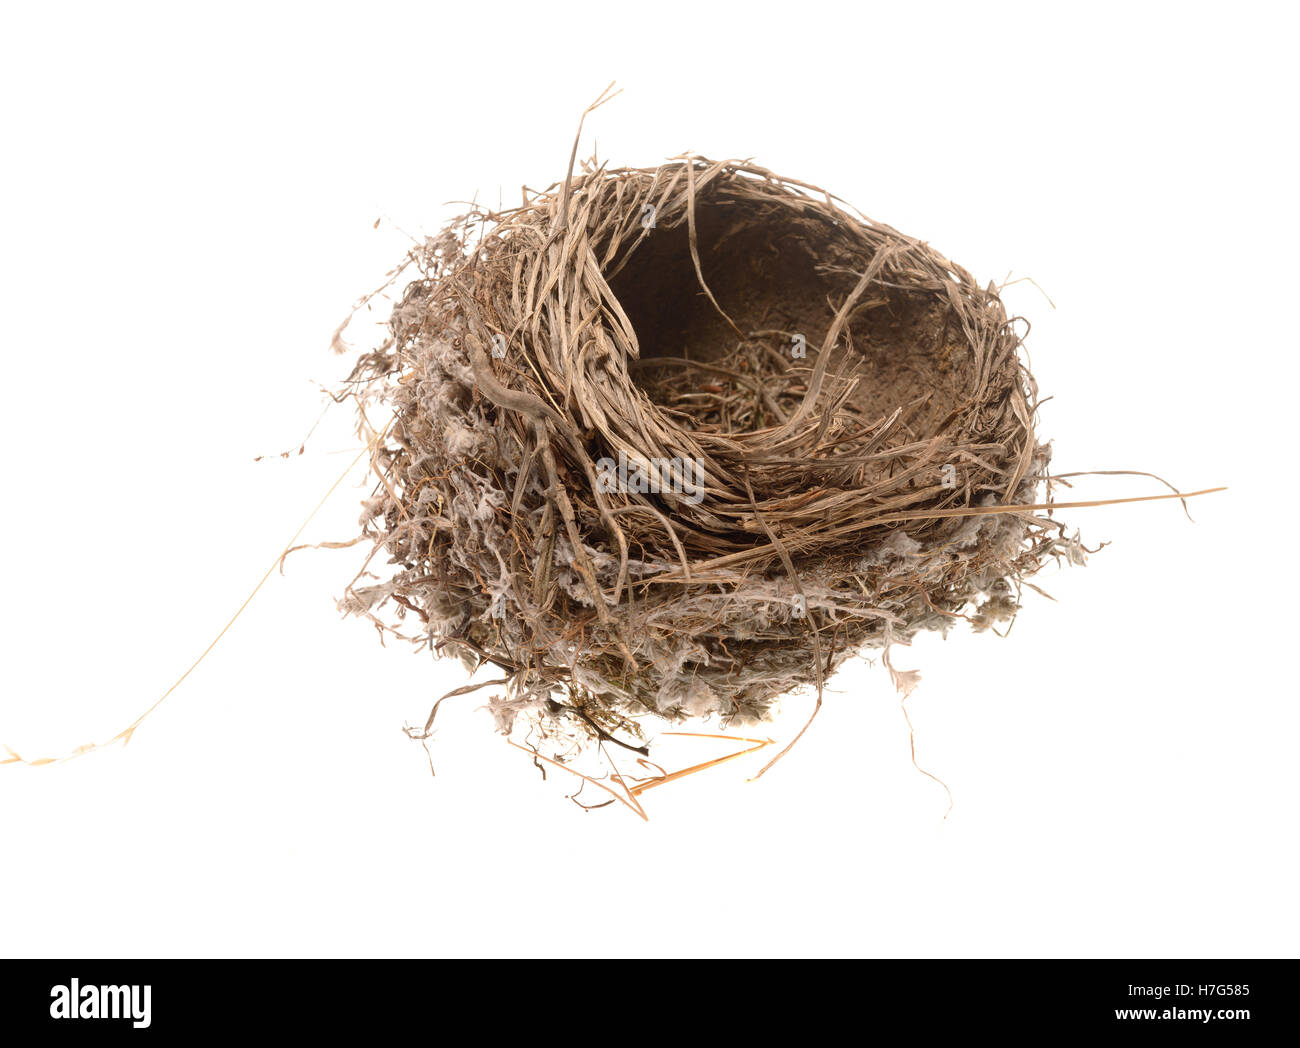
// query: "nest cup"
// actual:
[[674, 442]]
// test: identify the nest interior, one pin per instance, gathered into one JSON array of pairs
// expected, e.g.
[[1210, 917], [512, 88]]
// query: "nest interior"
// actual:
[[856, 406], [899, 346]]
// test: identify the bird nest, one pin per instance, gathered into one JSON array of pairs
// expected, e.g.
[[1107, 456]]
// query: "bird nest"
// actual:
[[673, 442]]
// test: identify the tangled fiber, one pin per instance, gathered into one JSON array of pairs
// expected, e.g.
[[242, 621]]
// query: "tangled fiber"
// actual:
[[673, 442]]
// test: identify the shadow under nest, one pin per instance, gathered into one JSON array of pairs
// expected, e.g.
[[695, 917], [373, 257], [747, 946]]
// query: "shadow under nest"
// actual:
[[853, 407]]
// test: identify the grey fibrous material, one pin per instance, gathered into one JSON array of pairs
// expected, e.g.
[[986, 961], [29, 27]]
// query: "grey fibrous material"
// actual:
[[822, 368]]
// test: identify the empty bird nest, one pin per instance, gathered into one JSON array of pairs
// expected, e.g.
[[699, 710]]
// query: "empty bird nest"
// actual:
[[673, 442]]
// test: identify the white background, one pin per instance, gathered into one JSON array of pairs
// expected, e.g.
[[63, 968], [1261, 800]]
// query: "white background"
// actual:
[[187, 204]]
